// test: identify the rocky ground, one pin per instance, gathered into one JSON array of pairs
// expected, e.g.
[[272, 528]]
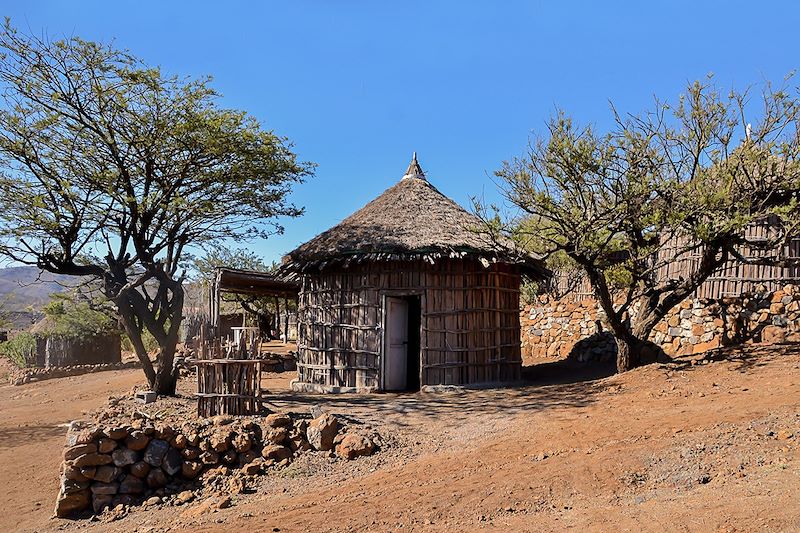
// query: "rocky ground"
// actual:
[[705, 445]]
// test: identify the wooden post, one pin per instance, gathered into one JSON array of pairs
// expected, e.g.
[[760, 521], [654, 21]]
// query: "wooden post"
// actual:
[[277, 316], [286, 321]]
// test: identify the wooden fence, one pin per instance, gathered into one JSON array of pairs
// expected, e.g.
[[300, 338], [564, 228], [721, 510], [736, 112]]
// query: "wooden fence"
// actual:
[[228, 379], [732, 279]]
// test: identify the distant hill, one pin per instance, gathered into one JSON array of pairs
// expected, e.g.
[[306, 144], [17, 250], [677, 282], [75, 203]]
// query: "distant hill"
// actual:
[[25, 287]]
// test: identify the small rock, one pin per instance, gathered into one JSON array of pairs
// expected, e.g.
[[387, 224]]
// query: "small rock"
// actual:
[[106, 474], [154, 500], [92, 459], [184, 497], [190, 469], [321, 432], [156, 478], [156, 450], [252, 468], [105, 488], [140, 469], [137, 441], [276, 452], [81, 449], [124, 457], [277, 420], [172, 462], [106, 445], [131, 485], [354, 445]]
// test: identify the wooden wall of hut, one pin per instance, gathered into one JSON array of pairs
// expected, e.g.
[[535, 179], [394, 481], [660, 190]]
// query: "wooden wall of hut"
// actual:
[[469, 322]]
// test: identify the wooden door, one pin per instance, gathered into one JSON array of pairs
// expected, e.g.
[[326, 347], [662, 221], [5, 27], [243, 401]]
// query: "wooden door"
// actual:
[[395, 354]]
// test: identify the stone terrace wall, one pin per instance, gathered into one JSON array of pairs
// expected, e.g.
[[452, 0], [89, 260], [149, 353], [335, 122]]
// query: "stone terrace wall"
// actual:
[[111, 466], [561, 328]]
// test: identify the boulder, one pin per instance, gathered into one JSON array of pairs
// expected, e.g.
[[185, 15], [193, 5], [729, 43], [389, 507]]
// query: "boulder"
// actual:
[[354, 445], [209, 458], [180, 441], [156, 450], [253, 468], [276, 452], [74, 473], [190, 454], [87, 472], [278, 420], [124, 457], [230, 457], [321, 432], [276, 436]]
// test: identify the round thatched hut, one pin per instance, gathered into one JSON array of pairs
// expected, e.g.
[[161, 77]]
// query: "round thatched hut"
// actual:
[[407, 292]]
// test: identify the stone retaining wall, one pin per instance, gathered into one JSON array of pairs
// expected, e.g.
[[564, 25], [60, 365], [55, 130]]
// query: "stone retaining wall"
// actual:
[[111, 466], [562, 328], [29, 375]]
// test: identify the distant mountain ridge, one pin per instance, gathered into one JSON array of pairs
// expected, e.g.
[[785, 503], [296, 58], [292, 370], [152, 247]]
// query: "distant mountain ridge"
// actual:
[[26, 287]]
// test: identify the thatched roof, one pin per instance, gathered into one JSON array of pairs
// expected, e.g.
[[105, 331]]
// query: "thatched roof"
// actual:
[[411, 220]]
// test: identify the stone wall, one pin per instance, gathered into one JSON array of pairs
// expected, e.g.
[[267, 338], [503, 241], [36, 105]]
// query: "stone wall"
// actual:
[[108, 467], [562, 328], [20, 376]]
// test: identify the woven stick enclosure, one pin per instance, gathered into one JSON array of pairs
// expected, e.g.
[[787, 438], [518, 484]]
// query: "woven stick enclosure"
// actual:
[[226, 386], [469, 326]]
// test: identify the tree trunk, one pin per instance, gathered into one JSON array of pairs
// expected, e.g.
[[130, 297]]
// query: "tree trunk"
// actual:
[[628, 354], [166, 377]]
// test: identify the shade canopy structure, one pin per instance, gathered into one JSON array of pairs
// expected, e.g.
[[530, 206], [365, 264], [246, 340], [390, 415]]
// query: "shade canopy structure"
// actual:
[[249, 282]]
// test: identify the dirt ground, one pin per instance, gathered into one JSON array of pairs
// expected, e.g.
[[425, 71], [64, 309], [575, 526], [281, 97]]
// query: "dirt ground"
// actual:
[[711, 446]]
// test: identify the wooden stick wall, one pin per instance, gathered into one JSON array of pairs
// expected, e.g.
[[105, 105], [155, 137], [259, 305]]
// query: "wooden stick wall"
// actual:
[[469, 324]]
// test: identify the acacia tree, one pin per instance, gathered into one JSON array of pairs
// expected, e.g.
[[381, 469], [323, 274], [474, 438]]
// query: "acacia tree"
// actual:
[[113, 171], [685, 179]]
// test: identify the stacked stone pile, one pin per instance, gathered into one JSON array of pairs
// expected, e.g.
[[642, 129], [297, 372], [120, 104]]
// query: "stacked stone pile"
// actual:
[[553, 328], [108, 467], [29, 375]]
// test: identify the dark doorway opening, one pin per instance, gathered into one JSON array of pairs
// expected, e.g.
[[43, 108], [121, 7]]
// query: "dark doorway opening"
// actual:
[[414, 351]]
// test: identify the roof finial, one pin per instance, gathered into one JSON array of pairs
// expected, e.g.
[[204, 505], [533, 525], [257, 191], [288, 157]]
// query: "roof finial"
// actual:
[[414, 170]]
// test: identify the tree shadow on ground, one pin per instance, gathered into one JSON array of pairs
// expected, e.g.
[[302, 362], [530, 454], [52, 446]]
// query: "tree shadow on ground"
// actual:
[[547, 386], [746, 356], [22, 436]]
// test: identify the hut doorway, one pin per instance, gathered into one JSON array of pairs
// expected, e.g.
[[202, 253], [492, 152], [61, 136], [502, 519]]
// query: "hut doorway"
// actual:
[[401, 361]]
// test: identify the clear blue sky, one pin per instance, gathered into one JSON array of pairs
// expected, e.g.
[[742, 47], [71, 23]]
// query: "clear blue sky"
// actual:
[[359, 85]]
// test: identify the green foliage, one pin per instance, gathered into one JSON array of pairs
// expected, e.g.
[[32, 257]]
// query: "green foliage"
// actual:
[[66, 317], [112, 170], [682, 180], [19, 349]]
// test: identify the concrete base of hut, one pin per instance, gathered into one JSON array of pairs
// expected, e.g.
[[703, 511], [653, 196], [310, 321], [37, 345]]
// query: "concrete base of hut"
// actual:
[[316, 388]]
